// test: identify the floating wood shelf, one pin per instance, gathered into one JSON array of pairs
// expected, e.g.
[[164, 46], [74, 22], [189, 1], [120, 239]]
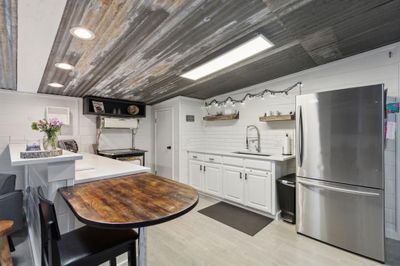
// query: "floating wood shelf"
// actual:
[[273, 118], [221, 117]]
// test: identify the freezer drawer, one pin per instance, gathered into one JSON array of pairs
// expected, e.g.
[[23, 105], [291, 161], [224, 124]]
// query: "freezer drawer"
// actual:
[[345, 216]]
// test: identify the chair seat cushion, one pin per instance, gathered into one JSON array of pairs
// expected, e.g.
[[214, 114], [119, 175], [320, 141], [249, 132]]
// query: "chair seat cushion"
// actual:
[[88, 241]]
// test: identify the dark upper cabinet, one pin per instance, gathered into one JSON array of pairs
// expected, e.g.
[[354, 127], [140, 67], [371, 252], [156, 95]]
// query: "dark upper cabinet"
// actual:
[[93, 105]]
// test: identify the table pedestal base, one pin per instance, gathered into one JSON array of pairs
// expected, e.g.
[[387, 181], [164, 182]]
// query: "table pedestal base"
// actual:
[[142, 247]]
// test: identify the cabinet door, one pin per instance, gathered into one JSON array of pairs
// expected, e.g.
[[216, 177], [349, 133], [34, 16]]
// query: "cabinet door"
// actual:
[[212, 178], [258, 190], [196, 174], [232, 178]]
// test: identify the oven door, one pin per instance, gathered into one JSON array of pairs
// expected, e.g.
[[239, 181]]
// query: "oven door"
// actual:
[[345, 216]]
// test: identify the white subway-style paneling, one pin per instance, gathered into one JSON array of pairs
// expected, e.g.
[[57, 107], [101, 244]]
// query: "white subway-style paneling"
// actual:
[[372, 67]]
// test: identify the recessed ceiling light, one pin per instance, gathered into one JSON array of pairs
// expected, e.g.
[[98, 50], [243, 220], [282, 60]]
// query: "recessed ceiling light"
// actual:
[[82, 33], [64, 66], [55, 85], [237, 54]]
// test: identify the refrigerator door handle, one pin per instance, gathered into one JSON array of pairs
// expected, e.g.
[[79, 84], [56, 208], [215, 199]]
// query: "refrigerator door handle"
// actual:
[[300, 138], [343, 190]]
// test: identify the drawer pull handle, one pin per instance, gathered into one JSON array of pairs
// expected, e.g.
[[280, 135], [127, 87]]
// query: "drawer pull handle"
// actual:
[[245, 176], [201, 168], [194, 157], [211, 159], [240, 175]]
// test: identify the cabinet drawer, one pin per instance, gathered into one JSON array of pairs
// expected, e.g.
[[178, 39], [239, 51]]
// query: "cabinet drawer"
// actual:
[[196, 156], [233, 161], [259, 172], [212, 158], [257, 164]]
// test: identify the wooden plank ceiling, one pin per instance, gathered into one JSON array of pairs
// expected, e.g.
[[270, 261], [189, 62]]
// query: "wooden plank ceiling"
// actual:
[[141, 47], [8, 44]]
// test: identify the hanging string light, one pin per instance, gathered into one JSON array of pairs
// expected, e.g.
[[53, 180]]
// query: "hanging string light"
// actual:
[[250, 96]]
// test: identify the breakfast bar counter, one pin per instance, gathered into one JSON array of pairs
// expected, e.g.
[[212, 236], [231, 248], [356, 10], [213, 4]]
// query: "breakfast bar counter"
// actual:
[[95, 167], [52, 173]]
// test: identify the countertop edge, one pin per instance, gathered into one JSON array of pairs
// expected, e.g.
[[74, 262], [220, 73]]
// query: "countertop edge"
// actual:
[[15, 149], [96, 178], [279, 158]]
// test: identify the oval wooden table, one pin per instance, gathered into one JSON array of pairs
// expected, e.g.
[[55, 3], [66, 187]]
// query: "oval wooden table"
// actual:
[[134, 201]]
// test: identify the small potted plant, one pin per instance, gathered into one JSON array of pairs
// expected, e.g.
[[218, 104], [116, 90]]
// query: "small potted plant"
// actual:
[[51, 128]]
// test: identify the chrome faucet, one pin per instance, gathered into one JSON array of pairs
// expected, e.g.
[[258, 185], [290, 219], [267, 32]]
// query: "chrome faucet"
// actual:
[[258, 148]]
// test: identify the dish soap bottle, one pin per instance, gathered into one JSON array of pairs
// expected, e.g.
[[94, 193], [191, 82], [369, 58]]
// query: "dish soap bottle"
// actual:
[[286, 149]]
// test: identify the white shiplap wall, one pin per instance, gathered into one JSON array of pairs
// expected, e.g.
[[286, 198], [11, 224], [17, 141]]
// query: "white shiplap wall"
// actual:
[[18, 110], [372, 67]]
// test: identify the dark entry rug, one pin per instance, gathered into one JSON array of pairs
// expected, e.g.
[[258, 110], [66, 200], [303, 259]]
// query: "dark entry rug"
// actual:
[[243, 220]]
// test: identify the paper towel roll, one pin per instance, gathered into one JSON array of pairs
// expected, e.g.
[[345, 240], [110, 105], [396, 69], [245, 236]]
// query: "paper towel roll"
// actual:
[[286, 149]]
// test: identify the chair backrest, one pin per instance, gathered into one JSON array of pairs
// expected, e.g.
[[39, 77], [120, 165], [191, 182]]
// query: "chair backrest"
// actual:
[[50, 231], [7, 183]]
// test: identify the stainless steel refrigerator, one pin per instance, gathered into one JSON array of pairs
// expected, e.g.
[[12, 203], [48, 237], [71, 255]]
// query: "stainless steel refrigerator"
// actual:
[[340, 168]]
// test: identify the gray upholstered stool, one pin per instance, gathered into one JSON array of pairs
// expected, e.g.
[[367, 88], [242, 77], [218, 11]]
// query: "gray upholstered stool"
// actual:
[[11, 201]]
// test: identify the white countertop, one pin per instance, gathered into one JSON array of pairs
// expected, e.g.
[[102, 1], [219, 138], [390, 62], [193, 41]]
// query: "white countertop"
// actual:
[[272, 157], [94, 167], [16, 160]]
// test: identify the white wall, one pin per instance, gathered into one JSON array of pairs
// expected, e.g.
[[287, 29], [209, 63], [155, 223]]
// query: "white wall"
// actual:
[[372, 67], [18, 110], [190, 133], [145, 136]]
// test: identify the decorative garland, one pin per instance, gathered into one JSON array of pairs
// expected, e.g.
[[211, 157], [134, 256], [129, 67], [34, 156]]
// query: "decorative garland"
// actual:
[[251, 95]]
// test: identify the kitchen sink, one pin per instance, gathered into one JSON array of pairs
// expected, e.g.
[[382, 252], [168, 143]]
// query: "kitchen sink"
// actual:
[[251, 153]]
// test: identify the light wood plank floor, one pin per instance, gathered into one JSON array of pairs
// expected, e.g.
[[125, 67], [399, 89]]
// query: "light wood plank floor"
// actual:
[[195, 239]]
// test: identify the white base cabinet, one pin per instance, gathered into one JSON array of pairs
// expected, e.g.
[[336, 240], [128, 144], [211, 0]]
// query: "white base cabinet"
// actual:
[[233, 184], [258, 190], [196, 174], [213, 179], [249, 187], [206, 177], [248, 182]]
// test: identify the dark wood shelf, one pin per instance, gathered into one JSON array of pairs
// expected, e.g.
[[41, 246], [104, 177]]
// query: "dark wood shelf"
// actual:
[[275, 118], [112, 107], [221, 117]]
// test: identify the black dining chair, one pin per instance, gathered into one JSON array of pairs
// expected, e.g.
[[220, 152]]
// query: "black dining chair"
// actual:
[[84, 246]]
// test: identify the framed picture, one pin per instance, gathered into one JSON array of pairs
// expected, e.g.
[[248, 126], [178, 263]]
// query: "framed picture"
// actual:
[[98, 107]]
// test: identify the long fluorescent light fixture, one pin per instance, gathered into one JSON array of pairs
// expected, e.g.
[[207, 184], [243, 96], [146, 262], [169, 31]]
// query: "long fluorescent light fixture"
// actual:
[[237, 54]]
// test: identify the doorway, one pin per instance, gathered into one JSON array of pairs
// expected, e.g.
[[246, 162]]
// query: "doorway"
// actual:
[[164, 132]]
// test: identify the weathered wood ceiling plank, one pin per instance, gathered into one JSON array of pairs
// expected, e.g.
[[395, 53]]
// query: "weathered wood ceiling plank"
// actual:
[[142, 47], [178, 46], [8, 44]]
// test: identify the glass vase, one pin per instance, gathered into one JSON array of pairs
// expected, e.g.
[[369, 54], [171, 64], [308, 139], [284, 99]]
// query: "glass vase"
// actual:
[[50, 142]]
